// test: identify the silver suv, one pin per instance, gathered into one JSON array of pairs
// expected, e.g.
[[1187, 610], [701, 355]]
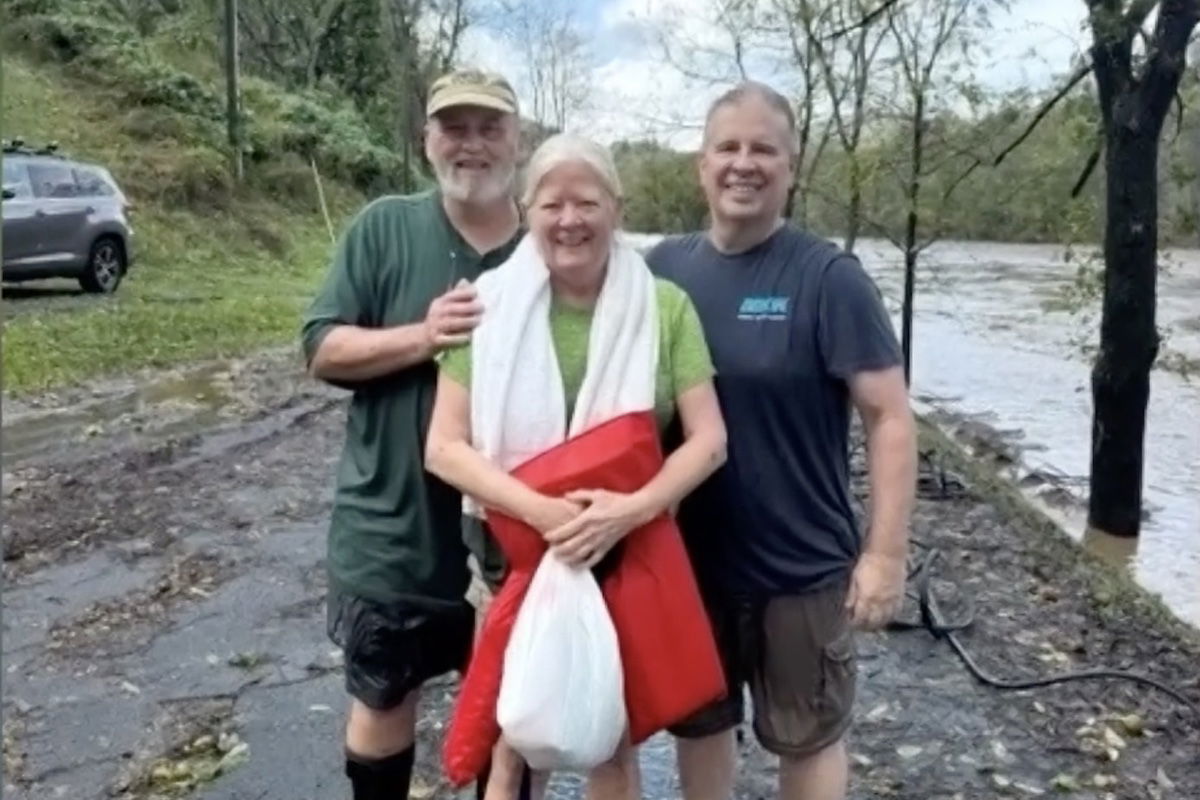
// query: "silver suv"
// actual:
[[63, 219]]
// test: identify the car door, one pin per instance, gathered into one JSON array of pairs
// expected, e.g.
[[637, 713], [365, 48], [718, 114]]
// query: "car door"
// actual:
[[20, 230], [61, 215]]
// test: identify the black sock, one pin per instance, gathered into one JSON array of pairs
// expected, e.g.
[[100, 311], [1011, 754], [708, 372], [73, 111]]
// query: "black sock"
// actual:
[[482, 781], [386, 778]]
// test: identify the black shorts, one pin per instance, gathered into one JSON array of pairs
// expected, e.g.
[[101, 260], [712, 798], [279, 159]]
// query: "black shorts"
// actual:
[[392, 649]]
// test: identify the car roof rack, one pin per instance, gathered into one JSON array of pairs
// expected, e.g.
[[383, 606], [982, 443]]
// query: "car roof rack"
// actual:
[[17, 146]]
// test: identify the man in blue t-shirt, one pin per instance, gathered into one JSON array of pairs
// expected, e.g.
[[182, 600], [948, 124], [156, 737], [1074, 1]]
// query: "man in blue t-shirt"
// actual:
[[799, 335]]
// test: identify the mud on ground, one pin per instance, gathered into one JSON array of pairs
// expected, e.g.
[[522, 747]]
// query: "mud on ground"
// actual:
[[163, 611]]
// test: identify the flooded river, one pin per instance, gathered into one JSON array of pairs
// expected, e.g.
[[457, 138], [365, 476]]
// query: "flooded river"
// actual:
[[984, 345]]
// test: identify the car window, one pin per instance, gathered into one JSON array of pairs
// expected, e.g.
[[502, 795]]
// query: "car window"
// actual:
[[52, 180], [16, 179], [92, 183]]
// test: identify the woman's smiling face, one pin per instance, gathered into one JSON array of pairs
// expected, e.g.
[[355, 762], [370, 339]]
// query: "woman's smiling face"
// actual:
[[573, 218]]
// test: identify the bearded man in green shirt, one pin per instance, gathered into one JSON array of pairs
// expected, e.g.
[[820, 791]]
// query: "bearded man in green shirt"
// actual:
[[398, 293]]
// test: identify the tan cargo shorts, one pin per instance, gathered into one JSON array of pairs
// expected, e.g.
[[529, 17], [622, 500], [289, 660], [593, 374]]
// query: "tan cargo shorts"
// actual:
[[796, 653]]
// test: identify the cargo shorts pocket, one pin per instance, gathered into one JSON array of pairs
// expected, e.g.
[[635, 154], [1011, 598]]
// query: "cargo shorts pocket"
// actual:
[[839, 669]]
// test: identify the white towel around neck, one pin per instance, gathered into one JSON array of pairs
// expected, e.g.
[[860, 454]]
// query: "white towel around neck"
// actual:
[[518, 405]]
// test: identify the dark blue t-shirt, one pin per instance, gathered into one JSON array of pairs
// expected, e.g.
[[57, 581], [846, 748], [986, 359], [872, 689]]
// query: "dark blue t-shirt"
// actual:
[[788, 323]]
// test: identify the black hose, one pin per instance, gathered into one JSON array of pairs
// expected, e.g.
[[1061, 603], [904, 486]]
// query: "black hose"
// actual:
[[932, 620]]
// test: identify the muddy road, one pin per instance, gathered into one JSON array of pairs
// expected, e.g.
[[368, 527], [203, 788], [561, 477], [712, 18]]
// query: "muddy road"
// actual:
[[163, 626]]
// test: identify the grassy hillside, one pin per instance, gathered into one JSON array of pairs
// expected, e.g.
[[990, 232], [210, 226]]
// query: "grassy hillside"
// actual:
[[221, 269]]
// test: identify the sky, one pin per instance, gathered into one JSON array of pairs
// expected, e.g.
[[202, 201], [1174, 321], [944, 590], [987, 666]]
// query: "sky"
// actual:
[[636, 93]]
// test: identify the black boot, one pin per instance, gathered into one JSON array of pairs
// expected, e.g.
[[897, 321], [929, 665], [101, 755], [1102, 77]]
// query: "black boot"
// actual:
[[386, 778]]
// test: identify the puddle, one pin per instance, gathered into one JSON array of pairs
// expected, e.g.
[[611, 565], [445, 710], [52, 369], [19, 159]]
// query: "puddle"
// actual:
[[171, 405]]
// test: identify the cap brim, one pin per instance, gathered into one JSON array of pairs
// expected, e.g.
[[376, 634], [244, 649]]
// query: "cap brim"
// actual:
[[478, 99]]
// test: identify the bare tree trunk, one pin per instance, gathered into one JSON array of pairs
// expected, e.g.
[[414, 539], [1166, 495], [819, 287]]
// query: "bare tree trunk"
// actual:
[[854, 206], [1128, 336], [1133, 110], [232, 106], [911, 247]]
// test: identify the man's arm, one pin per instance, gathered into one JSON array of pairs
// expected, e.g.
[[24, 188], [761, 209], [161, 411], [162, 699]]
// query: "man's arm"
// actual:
[[882, 402], [353, 353], [877, 586], [350, 353], [860, 348], [340, 344]]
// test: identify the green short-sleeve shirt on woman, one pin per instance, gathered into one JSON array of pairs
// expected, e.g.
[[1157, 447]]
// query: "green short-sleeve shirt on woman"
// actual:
[[683, 363], [683, 360]]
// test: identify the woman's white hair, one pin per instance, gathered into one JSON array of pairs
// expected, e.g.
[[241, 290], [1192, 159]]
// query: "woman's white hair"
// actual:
[[564, 148]]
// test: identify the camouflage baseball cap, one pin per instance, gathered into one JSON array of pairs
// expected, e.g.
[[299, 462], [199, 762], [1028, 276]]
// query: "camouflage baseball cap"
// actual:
[[471, 87]]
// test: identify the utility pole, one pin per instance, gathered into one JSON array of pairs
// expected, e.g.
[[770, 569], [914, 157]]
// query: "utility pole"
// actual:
[[233, 110]]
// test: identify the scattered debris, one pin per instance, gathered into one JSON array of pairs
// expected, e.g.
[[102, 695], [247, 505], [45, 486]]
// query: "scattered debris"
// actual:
[[99, 629], [1065, 783], [198, 762], [248, 660], [14, 756], [1133, 724], [200, 745]]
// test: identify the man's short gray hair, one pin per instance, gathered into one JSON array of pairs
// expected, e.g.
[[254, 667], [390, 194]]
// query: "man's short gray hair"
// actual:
[[748, 89], [565, 148]]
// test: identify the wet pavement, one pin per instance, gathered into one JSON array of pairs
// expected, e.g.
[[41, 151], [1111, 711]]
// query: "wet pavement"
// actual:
[[164, 586]]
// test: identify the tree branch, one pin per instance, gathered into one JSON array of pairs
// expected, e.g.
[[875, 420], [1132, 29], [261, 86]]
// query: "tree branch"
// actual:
[[867, 20], [1045, 109], [1176, 20], [1088, 168], [1112, 48], [1179, 107], [1138, 12]]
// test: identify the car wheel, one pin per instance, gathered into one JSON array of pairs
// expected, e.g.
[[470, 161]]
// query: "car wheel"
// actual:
[[105, 266]]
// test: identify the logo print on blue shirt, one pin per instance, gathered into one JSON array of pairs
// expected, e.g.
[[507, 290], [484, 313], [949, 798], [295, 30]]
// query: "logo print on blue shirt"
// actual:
[[763, 307]]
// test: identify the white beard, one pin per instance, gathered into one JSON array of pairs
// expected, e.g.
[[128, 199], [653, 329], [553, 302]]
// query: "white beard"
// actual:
[[494, 186]]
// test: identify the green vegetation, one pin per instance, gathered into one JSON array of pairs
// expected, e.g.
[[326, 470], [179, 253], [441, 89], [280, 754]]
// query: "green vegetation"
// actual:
[[661, 189], [218, 271], [221, 269]]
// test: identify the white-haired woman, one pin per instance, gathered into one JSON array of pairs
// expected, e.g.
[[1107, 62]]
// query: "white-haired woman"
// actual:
[[588, 288]]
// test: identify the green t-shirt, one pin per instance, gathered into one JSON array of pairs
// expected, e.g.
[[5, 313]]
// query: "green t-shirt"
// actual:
[[393, 535], [683, 362]]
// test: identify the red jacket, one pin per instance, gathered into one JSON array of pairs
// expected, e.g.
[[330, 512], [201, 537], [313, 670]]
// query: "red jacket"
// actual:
[[670, 659]]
